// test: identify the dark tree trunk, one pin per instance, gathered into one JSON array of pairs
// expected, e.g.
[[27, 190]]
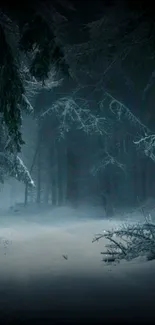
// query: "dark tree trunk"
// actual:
[[39, 165], [26, 195], [60, 187], [72, 190], [60, 162], [54, 193], [53, 171], [144, 179], [47, 192], [31, 169], [39, 180]]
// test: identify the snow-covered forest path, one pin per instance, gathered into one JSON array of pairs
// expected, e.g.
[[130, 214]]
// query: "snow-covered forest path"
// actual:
[[56, 271]]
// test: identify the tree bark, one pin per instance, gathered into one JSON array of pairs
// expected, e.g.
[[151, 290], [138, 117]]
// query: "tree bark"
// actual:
[[39, 165], [72, 191]]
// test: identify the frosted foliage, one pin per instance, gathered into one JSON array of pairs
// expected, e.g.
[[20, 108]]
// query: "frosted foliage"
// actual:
[[103, 163], [70, 111], [129, 242], [12, 165], [33, 86], [147, 143], [123, 112]]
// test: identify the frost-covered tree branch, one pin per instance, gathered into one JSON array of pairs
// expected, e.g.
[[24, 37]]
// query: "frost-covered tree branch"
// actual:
[[70, 111], [150, 83], [121, 111], [129, 242], [32, 41], [34, 86], [147, 143], [12, 166], [103, 163]]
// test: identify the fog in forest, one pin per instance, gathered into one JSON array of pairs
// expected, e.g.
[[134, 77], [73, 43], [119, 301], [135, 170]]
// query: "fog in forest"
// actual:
[[77, 173]]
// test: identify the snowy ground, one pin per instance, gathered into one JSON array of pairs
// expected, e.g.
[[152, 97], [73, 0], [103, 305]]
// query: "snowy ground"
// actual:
[[36, 281]]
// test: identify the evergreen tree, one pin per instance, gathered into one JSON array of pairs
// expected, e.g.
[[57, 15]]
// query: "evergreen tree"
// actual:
[[30, 49]]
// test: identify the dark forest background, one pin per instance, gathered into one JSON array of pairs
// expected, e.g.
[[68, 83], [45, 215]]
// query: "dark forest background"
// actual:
[[90, 136]]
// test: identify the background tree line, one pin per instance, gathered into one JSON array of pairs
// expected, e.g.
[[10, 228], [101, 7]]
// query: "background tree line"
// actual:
[[90, 94]]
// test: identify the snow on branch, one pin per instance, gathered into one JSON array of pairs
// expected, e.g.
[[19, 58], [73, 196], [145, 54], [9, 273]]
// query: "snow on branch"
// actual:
[[122, 111], [148, 144], [33, 86], [103, 163], [129, 242], [12, 165], [150, 83], [71, 111]]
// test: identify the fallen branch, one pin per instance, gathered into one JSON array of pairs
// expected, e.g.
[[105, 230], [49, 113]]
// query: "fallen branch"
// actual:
[[129, 242]]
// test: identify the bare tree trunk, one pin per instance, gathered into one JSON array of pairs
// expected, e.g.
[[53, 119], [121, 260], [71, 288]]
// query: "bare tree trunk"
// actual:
[[53, 171], [47, 191], [60, 159], [26, 195], [144, 178], [47, 162], [71, 178], [39, 179], [54, 193], [39, 165], [31, 169]]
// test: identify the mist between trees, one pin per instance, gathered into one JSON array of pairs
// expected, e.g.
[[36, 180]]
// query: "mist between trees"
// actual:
[[76, 104]]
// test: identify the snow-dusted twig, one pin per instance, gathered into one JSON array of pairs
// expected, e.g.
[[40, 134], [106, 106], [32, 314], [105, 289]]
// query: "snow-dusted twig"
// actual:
[[77, 111], [149, 83], [103, 163], [121, 110], [129, 241], [33, 86], [12, 165], [151, 138], [147, 143]]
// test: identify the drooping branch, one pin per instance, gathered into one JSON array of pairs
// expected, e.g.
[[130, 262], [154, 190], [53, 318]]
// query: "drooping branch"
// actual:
[[123, 112], [13, 166], [11, 91], [103, 163], [147, 143], [69, 111], [129, 242], [31, 40]]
